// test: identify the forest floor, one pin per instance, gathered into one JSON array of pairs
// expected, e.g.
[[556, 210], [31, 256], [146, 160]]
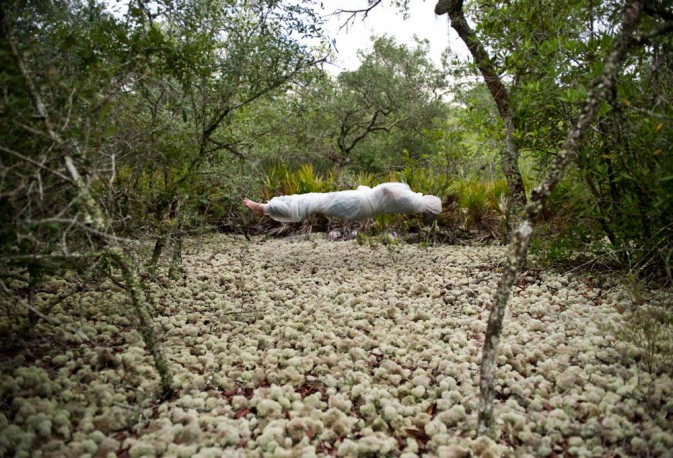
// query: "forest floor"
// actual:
[[304, 347]]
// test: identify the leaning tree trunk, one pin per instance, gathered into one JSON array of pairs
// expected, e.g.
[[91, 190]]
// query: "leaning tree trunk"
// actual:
[[166, 229], [509, 158], [94, 218], [176, 261], [601, 90]]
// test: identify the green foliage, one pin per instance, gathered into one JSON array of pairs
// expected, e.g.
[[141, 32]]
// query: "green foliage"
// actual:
[[380, 236], [627, 173], [568, 236], [280, 180], [570, 246], [569, 201], [395, 88], [364, 179], [554, 61], [470, 140], [483, 204], [180, 106], [362, 120], [474, 205], [425, 181]]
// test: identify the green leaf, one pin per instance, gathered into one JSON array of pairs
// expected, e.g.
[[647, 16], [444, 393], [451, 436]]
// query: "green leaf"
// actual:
[[109, 132]]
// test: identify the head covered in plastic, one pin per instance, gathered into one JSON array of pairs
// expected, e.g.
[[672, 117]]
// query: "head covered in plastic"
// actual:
[[433, 207]]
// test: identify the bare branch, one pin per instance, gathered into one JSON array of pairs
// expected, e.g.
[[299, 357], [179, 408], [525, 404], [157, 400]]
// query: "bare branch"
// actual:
[[352, 14], [82, 226], [113, 174], [95, 220], [67, 118], [114, 91], [228, 146], [72, 290], [35, 163]]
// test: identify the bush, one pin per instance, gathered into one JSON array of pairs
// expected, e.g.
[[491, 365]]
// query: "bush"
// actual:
[[483, 205], [279, 180]]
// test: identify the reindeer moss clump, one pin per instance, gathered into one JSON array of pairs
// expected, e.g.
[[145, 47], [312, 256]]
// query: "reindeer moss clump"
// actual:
[[305, 347]]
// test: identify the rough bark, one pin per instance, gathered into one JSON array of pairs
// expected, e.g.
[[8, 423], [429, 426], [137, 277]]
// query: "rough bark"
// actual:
[[156, 253], [519, 245], [510, 153]]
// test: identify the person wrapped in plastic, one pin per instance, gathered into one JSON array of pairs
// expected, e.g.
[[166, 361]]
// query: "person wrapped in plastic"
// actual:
[[359, 204]]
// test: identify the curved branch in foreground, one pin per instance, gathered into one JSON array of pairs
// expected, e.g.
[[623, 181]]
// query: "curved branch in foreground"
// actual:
[[601, 90]]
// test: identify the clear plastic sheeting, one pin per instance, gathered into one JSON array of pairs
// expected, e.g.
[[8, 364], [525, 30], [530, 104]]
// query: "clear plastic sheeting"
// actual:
[[362, 203]]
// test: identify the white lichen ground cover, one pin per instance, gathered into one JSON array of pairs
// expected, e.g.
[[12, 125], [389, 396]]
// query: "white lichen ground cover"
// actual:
[[310, 348]]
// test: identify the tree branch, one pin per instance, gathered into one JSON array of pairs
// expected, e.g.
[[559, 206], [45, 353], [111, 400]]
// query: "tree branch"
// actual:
[[94, 218], [35, 163], [371, 127], [352, 14], [228, 146]]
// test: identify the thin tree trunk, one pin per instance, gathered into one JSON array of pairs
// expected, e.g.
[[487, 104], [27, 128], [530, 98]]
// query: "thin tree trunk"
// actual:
[[159, 246], [509, 157], [165, 234], [601, 90], [176, 262], [33, 317]]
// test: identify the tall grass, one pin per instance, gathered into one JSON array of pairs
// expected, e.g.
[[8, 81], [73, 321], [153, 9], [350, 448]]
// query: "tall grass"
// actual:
[[280, 180], [475, 206], [425, 181]]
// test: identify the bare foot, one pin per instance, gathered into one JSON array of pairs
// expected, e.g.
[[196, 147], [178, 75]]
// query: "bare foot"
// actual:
[[256, 207]]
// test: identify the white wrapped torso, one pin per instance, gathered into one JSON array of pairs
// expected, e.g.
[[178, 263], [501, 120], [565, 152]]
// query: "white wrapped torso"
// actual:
[[360, 204]]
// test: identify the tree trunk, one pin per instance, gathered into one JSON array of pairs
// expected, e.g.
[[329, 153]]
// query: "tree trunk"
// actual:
[[176, 262], [509, 158], [165, 234], [601, 90], [156, 254]]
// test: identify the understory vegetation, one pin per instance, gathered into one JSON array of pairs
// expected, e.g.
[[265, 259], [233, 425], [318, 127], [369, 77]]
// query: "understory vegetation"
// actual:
[[147, 311]]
